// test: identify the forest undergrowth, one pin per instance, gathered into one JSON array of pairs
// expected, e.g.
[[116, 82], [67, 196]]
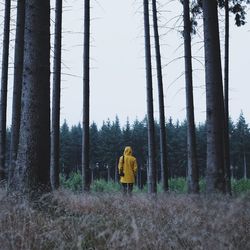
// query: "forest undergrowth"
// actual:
[[65, 220]]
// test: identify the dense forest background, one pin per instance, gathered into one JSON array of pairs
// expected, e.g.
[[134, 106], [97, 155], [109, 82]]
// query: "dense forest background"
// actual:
[[107, 144]]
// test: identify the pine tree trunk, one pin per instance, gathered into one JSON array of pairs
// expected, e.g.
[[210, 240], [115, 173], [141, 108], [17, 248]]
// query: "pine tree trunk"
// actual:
[[245, 165], [4, 85], [55, 133], [33, 159], [152, 173], [226, 93], [193, 172], [85, 127], [17, 87], [215, 176], [163, 141], [116, 169]]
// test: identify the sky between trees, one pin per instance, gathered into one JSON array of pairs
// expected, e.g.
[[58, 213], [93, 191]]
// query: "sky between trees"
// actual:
[[117, 79]]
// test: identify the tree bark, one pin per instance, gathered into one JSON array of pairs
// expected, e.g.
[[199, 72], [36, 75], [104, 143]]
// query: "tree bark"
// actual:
[[55, 133], [17, 88], [226, 101], [85, 125], [4, 85], [215, 176], [152, 173], [245, 165], [193, 171], [163, 140], [33, 157]]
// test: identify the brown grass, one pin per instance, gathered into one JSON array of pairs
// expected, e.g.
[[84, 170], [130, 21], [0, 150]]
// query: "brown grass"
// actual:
[[64, 220]]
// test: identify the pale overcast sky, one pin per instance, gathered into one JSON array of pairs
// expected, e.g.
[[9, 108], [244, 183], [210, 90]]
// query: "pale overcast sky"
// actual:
[[117, 82]]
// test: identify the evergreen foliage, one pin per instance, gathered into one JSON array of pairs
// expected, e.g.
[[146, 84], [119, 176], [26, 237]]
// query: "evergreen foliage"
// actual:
[[107, 144]]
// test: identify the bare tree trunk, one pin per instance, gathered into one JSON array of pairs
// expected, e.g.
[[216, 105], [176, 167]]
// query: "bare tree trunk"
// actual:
[[163, 141], [232, 171], [108, 170], [152, 173], [4, 84], [85, 125], [33, 159], [17, 88], [226, 93], [245, 164], [116, 169], [55, 133], [92, 174], [215, 176], [193, 171]]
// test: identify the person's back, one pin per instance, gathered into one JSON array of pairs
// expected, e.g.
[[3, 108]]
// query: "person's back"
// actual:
[[127, 165]]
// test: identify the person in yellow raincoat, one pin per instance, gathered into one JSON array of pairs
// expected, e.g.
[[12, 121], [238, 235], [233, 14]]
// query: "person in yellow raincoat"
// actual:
[[128, 166]]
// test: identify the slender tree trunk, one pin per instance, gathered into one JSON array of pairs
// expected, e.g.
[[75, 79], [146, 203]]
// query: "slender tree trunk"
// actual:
[[140, 178], [152, 173], [33, 159], [4, 84], [245, 165], [55, 133], [193, 171], [226, 93], [85, 125], [232, 171], [108, 170], [163, 141], [116, 169], [215, 177], [17, 87]]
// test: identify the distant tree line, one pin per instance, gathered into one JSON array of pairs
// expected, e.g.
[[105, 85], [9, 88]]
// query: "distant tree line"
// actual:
[[107, 144]]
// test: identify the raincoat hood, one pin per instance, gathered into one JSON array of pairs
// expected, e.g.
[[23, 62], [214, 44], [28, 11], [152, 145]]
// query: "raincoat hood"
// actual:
[[127, 151]]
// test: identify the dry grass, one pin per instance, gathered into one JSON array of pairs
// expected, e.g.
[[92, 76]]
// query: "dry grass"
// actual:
[[64, 220]]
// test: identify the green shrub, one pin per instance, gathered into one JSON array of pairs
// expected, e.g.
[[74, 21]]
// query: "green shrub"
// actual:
[[240, 186], [104, 186], [74, 182], [178, 185], [202, 185]]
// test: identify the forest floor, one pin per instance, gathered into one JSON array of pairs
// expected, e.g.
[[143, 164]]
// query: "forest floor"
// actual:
[[64, 220]]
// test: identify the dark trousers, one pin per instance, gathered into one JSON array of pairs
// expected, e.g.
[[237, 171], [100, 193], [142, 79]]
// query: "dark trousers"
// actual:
[[127, 188]]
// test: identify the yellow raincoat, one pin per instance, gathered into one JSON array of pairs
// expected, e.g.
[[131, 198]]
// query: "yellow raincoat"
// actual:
[[129, 166]]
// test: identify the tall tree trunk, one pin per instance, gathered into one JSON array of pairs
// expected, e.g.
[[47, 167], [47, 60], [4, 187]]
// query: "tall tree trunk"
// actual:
[[152, 173], [4, 84], [193, 171], [163, 141], [33, 157], [116, 169], [17, 87], [226, 93], [215, 178], [55, 133], [245, 164], [85, 124]]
